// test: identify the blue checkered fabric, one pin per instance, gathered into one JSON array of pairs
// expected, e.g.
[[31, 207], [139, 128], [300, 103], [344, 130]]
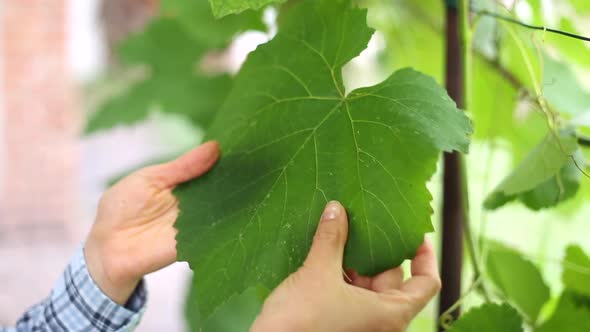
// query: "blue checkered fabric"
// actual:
[[77, 304]]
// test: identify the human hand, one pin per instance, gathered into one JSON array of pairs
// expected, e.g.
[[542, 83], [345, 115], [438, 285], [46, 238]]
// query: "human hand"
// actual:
[[317, 297], [134, 231]]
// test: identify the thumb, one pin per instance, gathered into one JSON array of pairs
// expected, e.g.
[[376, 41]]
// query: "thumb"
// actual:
[[327, 249], [186, 167]]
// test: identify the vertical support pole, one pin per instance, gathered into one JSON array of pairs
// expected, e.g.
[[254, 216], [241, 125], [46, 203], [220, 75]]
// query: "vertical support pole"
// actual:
[[453, 215]]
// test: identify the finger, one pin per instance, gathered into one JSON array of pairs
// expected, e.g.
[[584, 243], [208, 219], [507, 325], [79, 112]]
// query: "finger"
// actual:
[[388, 280], [359, 280], [425, 281], [327, 249], [187, 167]]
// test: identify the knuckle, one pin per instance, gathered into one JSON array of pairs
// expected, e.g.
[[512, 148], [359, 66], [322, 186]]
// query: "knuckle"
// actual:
[[435, 283], [327, 234]]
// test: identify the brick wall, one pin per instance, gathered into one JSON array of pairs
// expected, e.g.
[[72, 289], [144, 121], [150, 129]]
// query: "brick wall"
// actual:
[[40, 124]]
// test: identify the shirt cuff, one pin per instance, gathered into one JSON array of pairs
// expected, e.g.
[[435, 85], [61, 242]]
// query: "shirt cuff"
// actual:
[[87, 306]]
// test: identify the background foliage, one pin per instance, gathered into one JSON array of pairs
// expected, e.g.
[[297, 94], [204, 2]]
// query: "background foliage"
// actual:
[[529, 102]]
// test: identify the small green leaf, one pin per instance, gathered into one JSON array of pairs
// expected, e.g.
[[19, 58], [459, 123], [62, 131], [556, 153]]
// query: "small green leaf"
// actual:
[[489, 317], [292, 140], [571, 315], [547, 176], [576, 270], [235, 315], [519, 280], [225, 7]]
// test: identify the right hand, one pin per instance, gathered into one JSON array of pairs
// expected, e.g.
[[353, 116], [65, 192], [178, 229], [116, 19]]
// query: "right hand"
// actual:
[[317, 297]]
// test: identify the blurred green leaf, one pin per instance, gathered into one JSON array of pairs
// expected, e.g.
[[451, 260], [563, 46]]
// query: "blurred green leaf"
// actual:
[[537, 8], [563, 89], [581, 6], [235, 315], [571, 315], [489, 317], [173, 83], [576, 270], [573, 50], [208, 31], [518, 279], [547, 176], [496, 112], [171, 49], [225, 7], [412, 32], [519, 55]]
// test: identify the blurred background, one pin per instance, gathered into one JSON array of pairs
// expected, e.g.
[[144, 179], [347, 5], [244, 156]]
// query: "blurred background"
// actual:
[[59, 64]]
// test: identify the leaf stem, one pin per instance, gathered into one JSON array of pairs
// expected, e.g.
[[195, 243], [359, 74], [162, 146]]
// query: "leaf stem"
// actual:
[[467, 62], [529, 26]]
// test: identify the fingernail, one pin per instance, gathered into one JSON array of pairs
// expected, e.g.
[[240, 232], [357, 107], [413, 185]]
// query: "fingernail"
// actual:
[[212, 150], [332, 211]]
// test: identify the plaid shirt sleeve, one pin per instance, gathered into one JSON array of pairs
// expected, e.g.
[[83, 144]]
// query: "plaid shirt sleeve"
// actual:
[[77, 304]]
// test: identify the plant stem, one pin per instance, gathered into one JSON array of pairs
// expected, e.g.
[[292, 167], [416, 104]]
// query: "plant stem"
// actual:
[[455, 222], [466, 47], [467, 56], [529, 26], [453, 211]]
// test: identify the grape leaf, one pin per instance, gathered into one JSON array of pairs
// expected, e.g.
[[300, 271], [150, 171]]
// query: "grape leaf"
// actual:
[[225, 7], [235, 315], [547, 176], [489, 317], [293, 140], [173, 84], [518, 279], [571, 315], [576, 271]]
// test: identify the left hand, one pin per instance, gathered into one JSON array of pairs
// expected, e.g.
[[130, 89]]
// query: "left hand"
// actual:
[[134, 231]]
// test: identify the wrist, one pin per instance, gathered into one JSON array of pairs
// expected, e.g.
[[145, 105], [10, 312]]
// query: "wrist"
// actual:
[[107, 273]]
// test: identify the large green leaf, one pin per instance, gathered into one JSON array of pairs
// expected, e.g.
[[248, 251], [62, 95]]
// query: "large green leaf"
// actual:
[[225, 7], [293, 140], [489, 317], [576, 270], [571, 315], [235, 315], [519, 280], [547, 176]]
